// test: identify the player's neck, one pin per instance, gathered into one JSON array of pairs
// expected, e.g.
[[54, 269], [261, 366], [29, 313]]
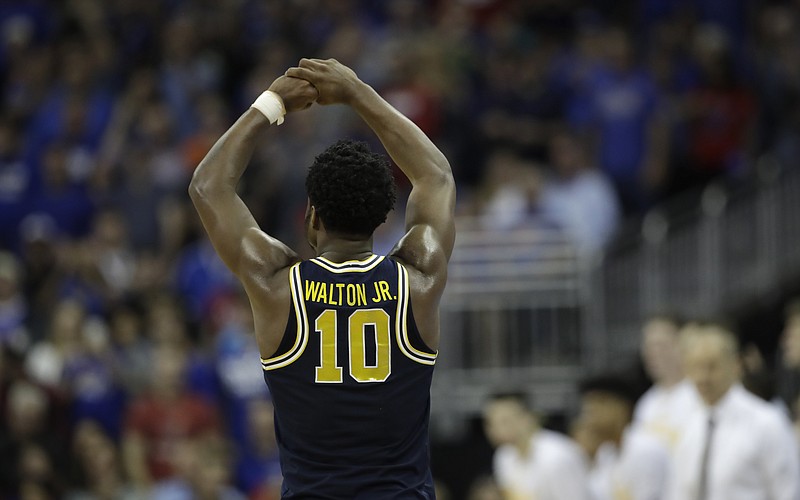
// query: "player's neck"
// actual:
[[340, 249]]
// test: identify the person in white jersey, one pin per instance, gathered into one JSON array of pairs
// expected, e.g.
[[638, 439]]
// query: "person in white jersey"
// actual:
[[663, 409], [625, 463], [531, 463], [738, 447]]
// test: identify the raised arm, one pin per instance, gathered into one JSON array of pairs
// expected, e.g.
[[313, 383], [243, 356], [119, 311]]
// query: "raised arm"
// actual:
[[231, 227], [430, 229]]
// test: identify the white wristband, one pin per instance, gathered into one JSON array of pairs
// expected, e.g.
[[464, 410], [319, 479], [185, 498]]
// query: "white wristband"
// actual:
[[271, 106]]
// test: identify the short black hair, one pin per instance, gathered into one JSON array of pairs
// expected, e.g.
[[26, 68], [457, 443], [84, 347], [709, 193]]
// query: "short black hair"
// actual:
[[616, 385], [351, 188], [524, 399]]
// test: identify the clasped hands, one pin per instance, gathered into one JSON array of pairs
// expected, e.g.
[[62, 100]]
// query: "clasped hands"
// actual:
[[315, 80]]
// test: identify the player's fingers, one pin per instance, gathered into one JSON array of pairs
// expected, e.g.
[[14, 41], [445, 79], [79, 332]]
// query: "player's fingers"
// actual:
[[310, 63], [304, 73]]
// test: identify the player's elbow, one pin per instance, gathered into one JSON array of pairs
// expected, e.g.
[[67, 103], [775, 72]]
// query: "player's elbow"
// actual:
[[196, 191], [443, 180], [200, 188], [442, 165]]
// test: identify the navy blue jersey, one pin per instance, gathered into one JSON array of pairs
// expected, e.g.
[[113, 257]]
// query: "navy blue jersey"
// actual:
[[351, 385]]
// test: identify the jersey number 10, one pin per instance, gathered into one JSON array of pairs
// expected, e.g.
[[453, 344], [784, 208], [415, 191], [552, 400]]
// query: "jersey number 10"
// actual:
[[329, 371]]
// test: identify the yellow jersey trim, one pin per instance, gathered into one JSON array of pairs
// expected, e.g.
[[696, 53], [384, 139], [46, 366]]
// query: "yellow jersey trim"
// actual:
[[403, 297], [350, 266], [302, 325]]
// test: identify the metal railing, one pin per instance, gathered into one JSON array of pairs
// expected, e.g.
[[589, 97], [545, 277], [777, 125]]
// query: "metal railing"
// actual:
[[511, 319], [522, 311], [729, 249]]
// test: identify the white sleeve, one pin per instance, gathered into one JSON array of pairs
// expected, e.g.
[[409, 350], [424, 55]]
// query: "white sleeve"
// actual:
[[647, 472], [567, 478], [780, 459]]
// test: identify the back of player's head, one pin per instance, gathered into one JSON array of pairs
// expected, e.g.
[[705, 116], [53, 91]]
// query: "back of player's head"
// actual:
[[351, 188]]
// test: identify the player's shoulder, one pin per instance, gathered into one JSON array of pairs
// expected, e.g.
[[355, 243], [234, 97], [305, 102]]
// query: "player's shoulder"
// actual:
[[421, 250], [263, 255], [266, 284]]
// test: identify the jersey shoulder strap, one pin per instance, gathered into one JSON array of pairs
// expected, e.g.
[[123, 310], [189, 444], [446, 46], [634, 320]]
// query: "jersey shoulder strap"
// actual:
[[406, 329], [292, 348]]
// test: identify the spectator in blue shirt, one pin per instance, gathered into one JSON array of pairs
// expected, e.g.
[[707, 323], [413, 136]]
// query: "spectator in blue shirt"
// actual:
[[619, 104]]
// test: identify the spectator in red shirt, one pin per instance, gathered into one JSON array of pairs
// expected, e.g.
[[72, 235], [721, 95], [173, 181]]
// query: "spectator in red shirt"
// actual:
[[720, 112], [160, 419]]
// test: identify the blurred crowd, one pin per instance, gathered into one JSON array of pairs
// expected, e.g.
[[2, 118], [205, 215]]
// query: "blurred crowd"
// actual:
[[707, 428], [127, 360]]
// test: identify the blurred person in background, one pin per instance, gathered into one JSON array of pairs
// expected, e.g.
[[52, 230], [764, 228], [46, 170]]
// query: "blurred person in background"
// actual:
[[90, 382], [518, 102], [258, 472], [30, 443], [579, 197], [75, 111], [201, 278], [130, 349], [719, 112], [626, 463], [203, 472], [38, 475], [66, 201], [663, 409], [113, 261], [531, 462], [509, 193], [15, 181], [167, 327], [778, 80], [236, 360], [736, 446], [13, 304], [43, 272], [46, 360], [157, 421], [619, 106], [788, 369], [98, 467], [757, 378]]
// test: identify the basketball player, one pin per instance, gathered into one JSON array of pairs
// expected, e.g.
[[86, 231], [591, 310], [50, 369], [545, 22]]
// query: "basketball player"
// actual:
[[348, 339]]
